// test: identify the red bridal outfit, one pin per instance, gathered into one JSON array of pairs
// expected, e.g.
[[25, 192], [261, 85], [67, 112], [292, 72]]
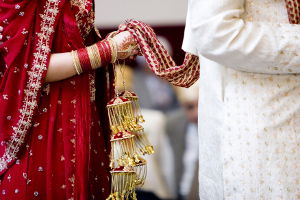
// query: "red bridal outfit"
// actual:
[[53, 141]]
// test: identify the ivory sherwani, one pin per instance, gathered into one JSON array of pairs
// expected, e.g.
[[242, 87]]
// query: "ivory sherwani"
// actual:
[[249, 110]]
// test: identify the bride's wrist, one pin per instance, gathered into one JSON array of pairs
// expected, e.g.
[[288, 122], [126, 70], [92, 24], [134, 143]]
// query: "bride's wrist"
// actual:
[[99, 54]]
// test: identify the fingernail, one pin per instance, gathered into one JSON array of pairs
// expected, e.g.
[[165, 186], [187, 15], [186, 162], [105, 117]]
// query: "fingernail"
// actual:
[[1, 28], [1, 36]]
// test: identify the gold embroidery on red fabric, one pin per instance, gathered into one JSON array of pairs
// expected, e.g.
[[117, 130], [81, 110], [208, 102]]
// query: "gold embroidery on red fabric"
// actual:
[[79, 3], [33, 84], [92, 87], [85, 16]]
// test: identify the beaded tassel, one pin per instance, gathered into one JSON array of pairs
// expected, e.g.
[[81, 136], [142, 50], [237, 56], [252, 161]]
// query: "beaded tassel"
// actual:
[[122, 150], [136, 106], [129, 143], [121, 116], [141, 139], [142, 143], [123, 184], [122, 158], [141, 171]]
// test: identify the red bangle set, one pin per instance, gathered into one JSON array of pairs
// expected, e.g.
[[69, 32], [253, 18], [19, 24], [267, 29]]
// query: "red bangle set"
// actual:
[[105, 52], [92, 57], [84, 59]]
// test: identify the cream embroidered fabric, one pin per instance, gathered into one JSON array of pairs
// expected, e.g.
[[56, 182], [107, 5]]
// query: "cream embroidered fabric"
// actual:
[[249, 110]]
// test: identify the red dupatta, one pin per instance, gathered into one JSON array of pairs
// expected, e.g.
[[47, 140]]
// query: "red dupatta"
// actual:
[[28, 33]]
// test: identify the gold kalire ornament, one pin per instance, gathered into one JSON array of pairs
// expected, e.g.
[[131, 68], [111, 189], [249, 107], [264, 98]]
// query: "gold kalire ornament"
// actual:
[[129, 144]]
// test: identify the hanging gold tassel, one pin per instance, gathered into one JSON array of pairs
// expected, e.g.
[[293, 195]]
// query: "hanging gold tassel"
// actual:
[[123, 184], [122, 150], [141, 171], [124, 154], [135, 104], [142, 143], [141, 138], [129, 144], [121, 116], [124, 158]]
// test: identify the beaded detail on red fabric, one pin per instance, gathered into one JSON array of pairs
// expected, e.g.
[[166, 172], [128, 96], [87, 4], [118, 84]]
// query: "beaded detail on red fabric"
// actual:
[[84, 14], [293, 9]]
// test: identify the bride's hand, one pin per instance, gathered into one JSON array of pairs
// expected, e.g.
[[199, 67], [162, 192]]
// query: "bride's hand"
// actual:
[[126, 45]]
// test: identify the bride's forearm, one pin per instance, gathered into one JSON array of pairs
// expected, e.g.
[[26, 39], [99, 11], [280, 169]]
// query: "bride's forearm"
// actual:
[[66, 65], [61, 67]]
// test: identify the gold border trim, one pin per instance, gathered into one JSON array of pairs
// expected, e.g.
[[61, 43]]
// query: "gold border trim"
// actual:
[[33, 85]]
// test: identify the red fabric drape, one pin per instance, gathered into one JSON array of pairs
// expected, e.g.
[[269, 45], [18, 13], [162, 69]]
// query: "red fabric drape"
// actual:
[[25, 51], [52, 141]]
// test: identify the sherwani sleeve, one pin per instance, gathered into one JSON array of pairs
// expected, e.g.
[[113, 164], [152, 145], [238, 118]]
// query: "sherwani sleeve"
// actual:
[[219, 32], [188, 41]]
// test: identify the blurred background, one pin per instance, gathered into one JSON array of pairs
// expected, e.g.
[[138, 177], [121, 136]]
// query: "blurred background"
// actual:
[[167, 17], [156, 12], [171, 113]]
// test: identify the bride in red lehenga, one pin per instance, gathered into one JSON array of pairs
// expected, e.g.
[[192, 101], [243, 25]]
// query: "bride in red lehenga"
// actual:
[[53, 142]]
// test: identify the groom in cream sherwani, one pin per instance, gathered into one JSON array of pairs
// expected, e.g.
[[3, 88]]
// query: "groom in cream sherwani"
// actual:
[[249, 108]]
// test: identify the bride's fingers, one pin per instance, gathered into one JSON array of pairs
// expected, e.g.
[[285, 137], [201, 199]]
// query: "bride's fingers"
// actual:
[[135, 52]]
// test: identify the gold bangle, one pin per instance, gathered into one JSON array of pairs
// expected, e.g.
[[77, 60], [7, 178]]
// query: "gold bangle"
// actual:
[[76, 62], [91, 57], [96, 54], [114, 49]]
